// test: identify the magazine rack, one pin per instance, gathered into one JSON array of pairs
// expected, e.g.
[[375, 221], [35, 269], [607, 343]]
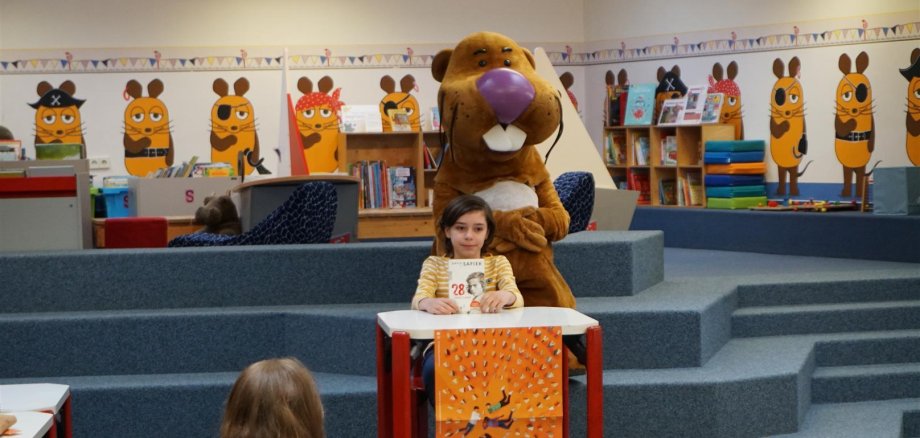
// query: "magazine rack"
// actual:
[[398, 413]]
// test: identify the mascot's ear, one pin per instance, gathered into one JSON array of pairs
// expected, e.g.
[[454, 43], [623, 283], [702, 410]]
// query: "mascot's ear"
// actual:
[[439, 64], [529, 56]]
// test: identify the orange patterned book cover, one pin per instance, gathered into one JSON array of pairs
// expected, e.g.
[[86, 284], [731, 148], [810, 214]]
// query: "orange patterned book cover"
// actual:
[[498, 382]]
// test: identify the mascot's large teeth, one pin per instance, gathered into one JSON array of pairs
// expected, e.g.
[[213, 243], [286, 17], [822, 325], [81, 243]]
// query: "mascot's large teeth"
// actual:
[[509, 139]]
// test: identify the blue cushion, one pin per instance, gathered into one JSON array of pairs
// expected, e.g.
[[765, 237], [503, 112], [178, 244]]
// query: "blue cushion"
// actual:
[[576, 191], [307, 216]]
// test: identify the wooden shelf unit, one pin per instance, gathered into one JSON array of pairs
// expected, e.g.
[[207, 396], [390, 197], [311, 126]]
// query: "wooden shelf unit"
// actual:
[[689, 139]]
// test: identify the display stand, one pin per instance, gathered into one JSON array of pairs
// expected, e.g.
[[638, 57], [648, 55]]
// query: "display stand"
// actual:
[[398, 416]]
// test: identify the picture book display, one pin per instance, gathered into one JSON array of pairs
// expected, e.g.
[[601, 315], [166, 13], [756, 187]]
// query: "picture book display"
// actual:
[[361, 118], [669, 150], [10, 150], [399, 120], [672, 111], [640, 104], [498, 382], [712, 108], [402, 187], [695, 105], [466, 283]]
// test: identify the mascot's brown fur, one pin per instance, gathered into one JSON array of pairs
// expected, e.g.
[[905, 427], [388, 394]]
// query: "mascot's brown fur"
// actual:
[[492, 154]]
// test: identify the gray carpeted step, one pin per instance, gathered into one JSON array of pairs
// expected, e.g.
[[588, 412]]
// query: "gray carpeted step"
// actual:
[[911, 424], [865, 382], [191, 405], [826, 318], [874, 348], [872, 419], [827, 292]]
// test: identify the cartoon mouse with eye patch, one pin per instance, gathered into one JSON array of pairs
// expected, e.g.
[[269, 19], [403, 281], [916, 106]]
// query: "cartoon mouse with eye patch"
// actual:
[[854, 124], [148, 141], [233, 128], [57, 115], [399, 100]]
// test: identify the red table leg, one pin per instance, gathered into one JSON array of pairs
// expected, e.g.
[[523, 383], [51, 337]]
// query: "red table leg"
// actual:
[[67, 414], [384, 389], [595, 382], [565, 393], [402, 392]]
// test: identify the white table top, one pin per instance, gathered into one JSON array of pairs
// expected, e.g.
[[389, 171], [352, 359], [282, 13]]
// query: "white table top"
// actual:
[[30, 424], [33, 397], [422, 325]]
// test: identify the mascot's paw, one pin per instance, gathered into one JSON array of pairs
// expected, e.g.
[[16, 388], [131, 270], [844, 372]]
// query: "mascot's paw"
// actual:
[[516, 228]]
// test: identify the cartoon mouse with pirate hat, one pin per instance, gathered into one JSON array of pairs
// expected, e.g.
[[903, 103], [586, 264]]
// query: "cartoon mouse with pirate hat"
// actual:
[[57, 115]]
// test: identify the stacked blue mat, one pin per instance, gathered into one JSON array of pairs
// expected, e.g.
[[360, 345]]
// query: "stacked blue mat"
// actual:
[[730, 190]]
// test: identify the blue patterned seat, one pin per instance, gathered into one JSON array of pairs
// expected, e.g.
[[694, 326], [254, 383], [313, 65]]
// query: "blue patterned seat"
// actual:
[[307, 216], [576, 191]]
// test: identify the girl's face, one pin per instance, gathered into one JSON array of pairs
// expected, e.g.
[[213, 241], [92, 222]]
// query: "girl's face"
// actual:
[[468, 234]]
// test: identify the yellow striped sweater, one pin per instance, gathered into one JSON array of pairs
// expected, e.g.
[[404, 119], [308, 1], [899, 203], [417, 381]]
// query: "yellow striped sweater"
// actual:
[[432, 281]]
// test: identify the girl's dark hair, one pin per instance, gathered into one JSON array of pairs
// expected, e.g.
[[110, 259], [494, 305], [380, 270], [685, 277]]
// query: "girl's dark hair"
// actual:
[[460, 206]]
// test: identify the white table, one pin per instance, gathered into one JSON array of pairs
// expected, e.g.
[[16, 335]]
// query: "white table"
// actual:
[[40, 397], [401, 326], [31, 424]]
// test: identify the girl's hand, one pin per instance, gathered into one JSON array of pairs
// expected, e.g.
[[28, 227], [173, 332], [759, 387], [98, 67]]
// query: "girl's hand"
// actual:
[[494, 302], [438, 306]]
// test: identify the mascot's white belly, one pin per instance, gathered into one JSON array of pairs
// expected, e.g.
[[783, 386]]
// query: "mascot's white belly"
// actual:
[[509, 195]]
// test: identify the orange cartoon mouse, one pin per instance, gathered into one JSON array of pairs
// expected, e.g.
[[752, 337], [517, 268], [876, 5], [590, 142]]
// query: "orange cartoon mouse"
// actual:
[[317, 116], [854, 124], [148, 141], [233, 128], [615, 106], [57, 115], [912, 74], [568, 80], [669, 87], [399, 100], [788, 140], [731, 111]]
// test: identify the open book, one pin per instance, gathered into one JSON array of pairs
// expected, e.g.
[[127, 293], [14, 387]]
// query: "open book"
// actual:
[[466, 283]]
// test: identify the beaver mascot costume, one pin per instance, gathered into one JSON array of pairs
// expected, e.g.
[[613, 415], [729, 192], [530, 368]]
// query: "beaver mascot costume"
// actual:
[[494, 110]]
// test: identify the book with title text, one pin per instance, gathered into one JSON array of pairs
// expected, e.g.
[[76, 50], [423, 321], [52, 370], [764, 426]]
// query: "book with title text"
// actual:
[[466, 283]]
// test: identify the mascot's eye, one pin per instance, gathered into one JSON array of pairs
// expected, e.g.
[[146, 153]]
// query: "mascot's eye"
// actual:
[[507, 63], [137, 117], [308, 113], [156, 117], [732, 101], [794, 98], [242, 115], [67, 118], [325, 112], [49, 119], [862, 92], [780, 97], [483, 63]]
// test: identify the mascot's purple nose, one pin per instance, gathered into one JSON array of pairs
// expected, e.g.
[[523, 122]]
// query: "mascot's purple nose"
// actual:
[[508, 92]]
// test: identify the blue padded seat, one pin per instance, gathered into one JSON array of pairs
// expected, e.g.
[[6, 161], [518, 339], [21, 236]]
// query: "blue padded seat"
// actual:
[[307, 216], [576, 191]]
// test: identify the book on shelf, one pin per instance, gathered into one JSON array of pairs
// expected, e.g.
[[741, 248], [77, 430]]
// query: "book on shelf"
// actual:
[[671, 111], [399, 120], [620, 182], [640, 104], [616, 105], [712, 108], [466, 283], [615, 148], [401, 187], [669, 150], [435, 118], [428, 156], [641, 150], [695, 104], [361, 118], [682, 194], [667, 191], [695, 189], [639, 181], [10, 150]]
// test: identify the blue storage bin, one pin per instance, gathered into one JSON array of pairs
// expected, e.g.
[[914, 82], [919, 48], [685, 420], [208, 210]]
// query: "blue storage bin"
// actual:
[[116, 201]]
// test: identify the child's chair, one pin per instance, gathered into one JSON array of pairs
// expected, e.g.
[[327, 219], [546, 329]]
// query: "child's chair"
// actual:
[[307, 216]]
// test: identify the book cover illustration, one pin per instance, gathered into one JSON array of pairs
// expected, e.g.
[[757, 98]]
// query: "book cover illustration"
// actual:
[[672, 111], [10, 150], [402, 187], [466, 283], [641, 150], [669, 150], [616, 149], [712, 108], [640, 104], [435, 118], [361, 118], [498, 382], [399, 120], [695, 103]]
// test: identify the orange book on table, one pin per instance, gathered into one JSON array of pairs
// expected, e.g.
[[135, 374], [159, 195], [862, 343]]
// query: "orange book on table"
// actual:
[[758, 168]]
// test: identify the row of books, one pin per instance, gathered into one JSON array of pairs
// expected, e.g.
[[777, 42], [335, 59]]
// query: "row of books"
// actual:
[[193, 169], [696, 107], [431, 162], [384, 186]]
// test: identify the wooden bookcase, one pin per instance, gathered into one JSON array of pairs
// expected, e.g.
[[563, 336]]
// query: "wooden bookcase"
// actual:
[[397, 149], [689, 141]]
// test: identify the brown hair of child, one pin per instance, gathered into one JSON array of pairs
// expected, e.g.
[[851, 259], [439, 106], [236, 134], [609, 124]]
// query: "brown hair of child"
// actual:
[[274, 398], [460, 206]]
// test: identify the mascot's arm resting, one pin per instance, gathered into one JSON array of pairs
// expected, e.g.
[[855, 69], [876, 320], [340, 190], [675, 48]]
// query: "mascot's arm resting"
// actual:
[[517, 228], [551, 214]]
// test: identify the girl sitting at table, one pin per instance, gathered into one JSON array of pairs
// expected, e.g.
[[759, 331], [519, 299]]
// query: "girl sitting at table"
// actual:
[[274, 398], [468, 227]]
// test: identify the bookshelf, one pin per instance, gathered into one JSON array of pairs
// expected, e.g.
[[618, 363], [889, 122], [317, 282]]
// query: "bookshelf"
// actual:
[[629, 167], [397, 149]]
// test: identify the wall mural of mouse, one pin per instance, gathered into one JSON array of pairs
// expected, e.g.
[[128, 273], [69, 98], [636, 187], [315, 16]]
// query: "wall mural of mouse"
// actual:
[[731, 109], [669, 87], [233, 128], [402, 99], [317, 114], [788, 139], [854, 123], [912, 74], [147, 138], [57, 115]]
